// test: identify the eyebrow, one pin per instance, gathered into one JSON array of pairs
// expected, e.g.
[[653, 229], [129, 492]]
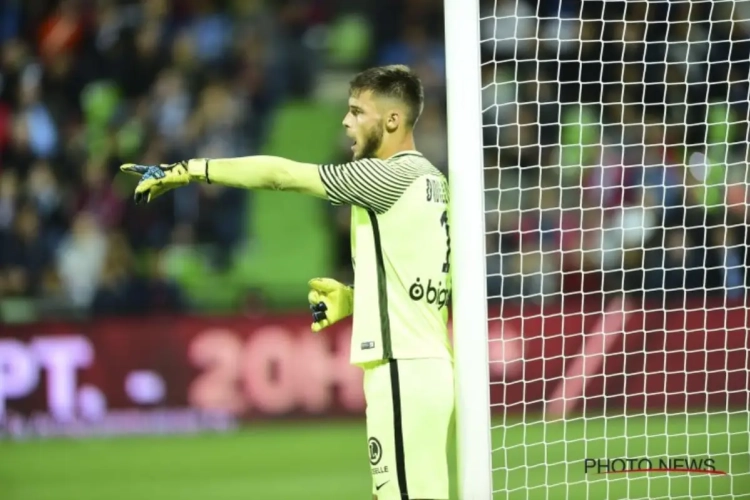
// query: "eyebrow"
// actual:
[[354, 107]]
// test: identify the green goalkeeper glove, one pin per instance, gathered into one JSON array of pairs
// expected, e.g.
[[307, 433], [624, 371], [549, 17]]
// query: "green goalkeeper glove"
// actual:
[[158, 179], [330, 302]]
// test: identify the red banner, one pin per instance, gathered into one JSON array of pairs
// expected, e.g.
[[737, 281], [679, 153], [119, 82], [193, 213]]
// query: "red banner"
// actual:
[[179, 374], [641, 358]]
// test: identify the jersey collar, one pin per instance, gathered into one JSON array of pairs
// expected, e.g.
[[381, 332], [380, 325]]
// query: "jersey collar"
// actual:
[[406, 153]]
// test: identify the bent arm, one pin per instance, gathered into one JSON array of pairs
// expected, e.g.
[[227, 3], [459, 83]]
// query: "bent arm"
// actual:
[[260, 172]]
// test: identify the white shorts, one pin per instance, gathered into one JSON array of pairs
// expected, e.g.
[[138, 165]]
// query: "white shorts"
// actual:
[[409, 411]]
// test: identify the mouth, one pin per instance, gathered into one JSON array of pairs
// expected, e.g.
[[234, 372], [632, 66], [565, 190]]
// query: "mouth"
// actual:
[[354, 145]]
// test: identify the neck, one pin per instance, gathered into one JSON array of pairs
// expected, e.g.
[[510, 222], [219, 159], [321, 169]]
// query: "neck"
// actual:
[[390, 148]]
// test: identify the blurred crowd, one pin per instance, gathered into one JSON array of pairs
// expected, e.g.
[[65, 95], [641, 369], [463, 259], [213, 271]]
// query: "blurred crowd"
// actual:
[[88, 84], [85, 86], [615, 140], [591, 112]]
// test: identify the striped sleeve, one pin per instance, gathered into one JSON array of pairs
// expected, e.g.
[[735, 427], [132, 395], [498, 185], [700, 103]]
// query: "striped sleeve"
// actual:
[[370, 183]]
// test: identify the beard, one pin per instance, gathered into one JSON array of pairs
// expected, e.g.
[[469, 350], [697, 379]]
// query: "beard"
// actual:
[[371, 144]]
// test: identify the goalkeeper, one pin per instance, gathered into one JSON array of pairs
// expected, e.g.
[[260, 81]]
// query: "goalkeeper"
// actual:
[[401, 253]]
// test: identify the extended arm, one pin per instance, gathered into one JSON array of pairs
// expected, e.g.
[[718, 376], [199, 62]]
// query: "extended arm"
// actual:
[[368, 183], [251, 172]]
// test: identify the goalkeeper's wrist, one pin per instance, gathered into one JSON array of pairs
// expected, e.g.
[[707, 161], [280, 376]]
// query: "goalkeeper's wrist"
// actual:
[[198, 170]]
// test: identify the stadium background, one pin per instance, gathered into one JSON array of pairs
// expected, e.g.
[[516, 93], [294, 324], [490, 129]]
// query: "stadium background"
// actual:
[[152, 296]]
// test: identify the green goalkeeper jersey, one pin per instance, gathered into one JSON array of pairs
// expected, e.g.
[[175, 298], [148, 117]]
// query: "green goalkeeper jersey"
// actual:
[[400, 253]]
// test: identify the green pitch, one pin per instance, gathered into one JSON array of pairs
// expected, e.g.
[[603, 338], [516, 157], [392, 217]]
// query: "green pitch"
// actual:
[[316, 461]]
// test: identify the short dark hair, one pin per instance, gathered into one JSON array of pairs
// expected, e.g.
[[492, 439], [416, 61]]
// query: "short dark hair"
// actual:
[[396, 81]]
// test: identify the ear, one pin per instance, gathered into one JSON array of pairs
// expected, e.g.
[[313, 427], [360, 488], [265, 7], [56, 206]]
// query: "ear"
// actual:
[[392, 121]]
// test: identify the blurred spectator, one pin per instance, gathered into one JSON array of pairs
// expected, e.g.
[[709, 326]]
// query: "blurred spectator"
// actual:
[[10, 20], [39, 129], [117, 291], [140, 60], [8, 200], [508, 29], [25, 257], [62, 31], [170, 108], [415, 48], [44, 192], [97, 196], [122, 291], [163, 295], [80, 259], [214, 129], [211, 30]]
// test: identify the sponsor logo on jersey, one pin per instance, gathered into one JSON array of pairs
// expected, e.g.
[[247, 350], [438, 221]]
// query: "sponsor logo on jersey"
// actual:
[[432, 293], [376, 450]]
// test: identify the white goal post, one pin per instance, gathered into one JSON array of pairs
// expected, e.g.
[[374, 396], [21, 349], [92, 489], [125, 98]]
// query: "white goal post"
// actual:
[[470, 324]]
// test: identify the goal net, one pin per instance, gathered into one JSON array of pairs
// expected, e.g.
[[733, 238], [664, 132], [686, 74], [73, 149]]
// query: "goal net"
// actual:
[[613, 141]]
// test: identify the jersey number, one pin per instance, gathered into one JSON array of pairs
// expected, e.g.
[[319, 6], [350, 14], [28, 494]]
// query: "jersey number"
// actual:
[[444, 223]]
